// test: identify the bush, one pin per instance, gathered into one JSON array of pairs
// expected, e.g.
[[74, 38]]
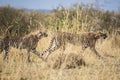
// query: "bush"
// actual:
[[17, 22]]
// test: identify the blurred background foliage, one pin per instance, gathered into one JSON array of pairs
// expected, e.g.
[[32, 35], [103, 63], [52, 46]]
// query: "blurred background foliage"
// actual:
[[79, 18], [17, 22]]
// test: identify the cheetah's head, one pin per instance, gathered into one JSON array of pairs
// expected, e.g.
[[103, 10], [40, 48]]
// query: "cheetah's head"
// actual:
[[42, 35], [100, 35]]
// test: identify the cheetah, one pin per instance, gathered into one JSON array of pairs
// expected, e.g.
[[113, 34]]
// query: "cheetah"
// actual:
[[28, 42], [84, 40]]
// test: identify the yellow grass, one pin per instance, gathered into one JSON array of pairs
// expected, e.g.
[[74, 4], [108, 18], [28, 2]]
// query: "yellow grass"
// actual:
[[96, 69]]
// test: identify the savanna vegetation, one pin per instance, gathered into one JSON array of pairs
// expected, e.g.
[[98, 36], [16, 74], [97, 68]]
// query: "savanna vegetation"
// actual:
[[68, 66]]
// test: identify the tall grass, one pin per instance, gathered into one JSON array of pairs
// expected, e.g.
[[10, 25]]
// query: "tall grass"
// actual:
[[83, 19], [96, 69]]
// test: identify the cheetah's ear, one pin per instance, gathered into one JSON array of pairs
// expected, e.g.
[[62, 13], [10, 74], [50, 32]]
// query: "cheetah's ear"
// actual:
[[97, 35], [39, 34], [39, 31]]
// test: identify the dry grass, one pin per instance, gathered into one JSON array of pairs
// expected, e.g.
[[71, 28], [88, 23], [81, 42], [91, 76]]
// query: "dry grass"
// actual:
[[94, 69], [70, 65]]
